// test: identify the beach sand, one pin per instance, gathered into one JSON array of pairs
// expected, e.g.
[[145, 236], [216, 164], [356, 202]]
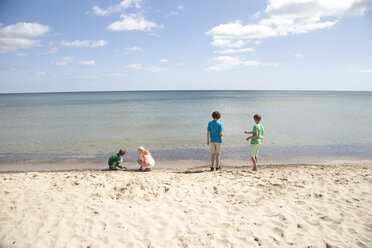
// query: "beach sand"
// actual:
[[289, 206]]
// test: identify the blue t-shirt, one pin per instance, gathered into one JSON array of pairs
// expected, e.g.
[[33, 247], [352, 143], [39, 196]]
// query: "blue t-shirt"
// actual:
[[215, 127]]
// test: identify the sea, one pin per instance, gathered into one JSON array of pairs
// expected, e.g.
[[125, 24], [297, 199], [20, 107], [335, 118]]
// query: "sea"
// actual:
[[87, 127]]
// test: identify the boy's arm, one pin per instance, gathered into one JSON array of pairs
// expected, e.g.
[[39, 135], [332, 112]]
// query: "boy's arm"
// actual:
[[247, 132], [120, 160], [221, 134], [208, 134], [254, 136]]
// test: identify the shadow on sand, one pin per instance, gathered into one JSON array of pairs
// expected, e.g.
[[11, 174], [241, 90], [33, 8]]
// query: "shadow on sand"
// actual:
[[191, 171]]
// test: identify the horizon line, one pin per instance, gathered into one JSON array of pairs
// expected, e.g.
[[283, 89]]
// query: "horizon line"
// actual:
[[118, 91]]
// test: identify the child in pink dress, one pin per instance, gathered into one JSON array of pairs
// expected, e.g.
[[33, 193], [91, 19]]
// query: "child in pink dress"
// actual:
[[146, 160]]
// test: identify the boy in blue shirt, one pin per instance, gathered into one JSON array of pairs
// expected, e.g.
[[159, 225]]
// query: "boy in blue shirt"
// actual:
[[214, 138]]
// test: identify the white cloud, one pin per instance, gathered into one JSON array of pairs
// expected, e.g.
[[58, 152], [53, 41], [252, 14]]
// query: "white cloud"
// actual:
[[257, 15], [133, 22], [87, 62], [140, 67], [130, 21], [139, 49], [13, 44], [40, 73], [121, 7], [164, 61], [239, 50], [257, 42], [99, 43], [225, 63], [285, 17], [24, 30], [84, 43], [180, 7], [64, 61], [21, 36]]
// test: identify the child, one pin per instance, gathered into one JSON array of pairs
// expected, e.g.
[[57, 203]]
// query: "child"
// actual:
[[146, 160], [214, 137], [256, 139], [115, 160]]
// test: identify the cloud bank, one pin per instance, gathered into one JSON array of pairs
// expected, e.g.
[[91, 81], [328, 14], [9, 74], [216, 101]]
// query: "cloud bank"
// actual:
[[21, 35], [280, 18], [285, 17], [131, 21]]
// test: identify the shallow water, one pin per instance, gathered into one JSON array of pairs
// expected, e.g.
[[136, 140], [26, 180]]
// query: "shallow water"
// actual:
[[172, 124]]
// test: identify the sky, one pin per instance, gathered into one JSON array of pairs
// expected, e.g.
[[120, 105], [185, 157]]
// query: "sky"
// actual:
[[125, 45]]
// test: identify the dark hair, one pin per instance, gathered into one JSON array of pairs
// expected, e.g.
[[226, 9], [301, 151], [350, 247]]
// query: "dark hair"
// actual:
[[216, 115], [122, 152], [257, 117]]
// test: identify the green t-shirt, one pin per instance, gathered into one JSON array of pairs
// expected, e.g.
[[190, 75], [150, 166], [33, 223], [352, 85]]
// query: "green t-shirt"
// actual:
[[114, 158], [258, 128]]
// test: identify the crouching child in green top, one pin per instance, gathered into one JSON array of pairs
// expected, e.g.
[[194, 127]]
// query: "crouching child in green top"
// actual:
[[256, 139], [115, 160]]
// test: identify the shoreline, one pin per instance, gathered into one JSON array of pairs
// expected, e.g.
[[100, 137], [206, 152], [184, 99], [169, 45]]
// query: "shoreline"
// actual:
[[68, 165]]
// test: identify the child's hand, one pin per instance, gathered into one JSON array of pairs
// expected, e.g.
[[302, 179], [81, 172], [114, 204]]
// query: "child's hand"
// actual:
[[248, 138]]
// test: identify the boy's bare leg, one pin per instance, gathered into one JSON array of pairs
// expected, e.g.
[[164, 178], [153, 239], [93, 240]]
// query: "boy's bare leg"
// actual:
[[254, 161], [217, 160], [256, 158], [212, 159]]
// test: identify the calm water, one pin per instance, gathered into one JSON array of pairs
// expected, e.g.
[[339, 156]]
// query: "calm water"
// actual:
[[172, 124]]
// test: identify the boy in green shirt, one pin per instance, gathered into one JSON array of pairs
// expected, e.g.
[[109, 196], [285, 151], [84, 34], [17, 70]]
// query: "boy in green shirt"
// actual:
[[256, 139], [115, 160]]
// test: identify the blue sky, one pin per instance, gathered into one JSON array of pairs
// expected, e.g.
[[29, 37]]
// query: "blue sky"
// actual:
[[96, 45]]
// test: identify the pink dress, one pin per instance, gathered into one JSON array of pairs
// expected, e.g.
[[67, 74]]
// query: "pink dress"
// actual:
[[147, 160]]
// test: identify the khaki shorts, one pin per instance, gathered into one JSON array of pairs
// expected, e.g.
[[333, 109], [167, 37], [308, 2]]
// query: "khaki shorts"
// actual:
[[255, 148], [216, 147]]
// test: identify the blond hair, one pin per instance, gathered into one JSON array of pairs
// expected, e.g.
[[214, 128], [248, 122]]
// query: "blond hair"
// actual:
[[140, 149]]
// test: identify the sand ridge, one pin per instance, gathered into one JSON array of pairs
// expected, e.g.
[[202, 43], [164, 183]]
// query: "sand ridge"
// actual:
[[306, 206]]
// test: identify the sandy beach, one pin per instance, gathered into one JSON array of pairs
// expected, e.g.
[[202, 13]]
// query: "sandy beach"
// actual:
[[289, 206]]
